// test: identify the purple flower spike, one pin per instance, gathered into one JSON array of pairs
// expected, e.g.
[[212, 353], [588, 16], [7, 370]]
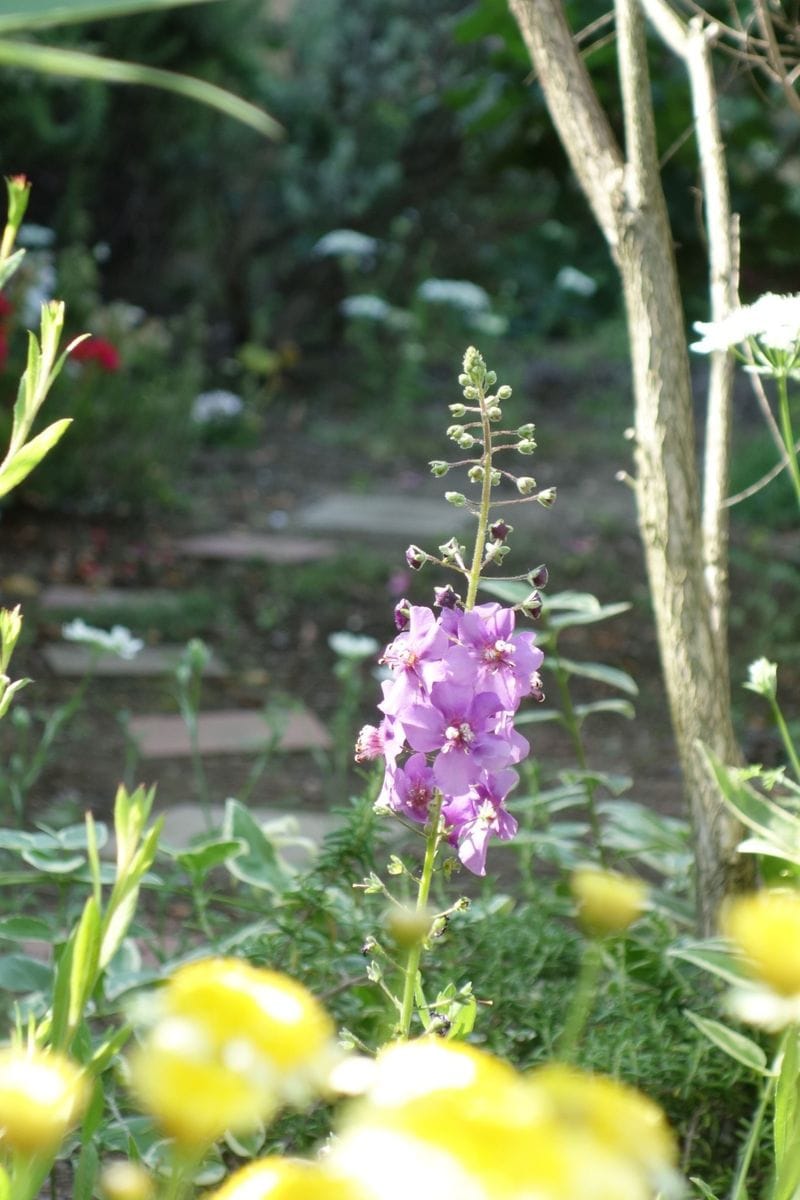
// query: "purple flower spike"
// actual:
[[499, 659], [481, 815], [416, 660], [461, 728]]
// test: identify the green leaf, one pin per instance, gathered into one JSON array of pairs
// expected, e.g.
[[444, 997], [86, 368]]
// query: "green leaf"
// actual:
[[767, 819], [29, 929], [5, 1185], [715, 956], [40, 14], [246, 1145], [258, 863], [86, 1172], [703, 1188], [53, 862], [200, 859], [620, 708], [20, 465], [601, 673], [85, 961], [587, 617], [52, 61], [785, 1119], [735, 1045], [18, 973], [8, 268]]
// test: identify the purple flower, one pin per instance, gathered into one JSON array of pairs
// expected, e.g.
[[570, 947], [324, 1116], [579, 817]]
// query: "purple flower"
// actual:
[[382, 741], [411, 789], [416, 658], [480, 815], [489, 651], [459, 727]]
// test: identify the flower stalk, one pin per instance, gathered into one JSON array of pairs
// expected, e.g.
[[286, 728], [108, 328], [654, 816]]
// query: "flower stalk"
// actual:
[[433, 838]]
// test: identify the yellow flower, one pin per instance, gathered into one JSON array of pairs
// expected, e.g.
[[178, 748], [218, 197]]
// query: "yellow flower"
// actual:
[[122, 1180], [449, 1122], [230, 1043], [42, 1096], [766, 927], [285, 1179], [607, 902]]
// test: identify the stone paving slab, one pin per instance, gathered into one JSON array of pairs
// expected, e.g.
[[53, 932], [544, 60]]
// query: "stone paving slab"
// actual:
[[72, 598], [261, 547], [68, 660], [227, 731], [297, 835], [414, 517]]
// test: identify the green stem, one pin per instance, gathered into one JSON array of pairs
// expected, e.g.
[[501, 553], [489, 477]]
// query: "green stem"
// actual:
[[785, 737], [787, 432], [582, 1000], [415, 953], [483, 513], [574, 729], [739, 1186]]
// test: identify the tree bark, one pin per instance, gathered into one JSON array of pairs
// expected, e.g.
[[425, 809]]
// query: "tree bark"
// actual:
[[626, 195]]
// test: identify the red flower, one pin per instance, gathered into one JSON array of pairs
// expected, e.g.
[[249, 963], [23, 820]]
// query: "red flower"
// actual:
[[99, 351], [6, 307]]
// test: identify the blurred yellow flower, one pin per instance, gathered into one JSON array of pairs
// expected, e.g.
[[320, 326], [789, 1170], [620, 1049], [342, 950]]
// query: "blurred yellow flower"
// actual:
[[123, 1180], [607, 901], [449, 1122], [42, 1096], [229, 1044], [766, 928], [285, 1179]]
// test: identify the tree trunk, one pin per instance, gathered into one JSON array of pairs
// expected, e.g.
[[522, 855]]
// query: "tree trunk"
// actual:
[[628, 201]]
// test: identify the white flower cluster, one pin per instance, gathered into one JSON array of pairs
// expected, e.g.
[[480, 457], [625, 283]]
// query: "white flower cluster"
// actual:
[[366, 307], [459, 293], [217, 405], [118, 641], [771, 325], [346, 243], [570, 279]]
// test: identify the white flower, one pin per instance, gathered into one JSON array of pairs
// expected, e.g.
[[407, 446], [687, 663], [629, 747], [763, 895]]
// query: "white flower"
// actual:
[[774, 321], [119, 641], [353, 645], [217, 405], [490, 324], [367, 307], [346, 243], [755, 1004], [570, 279], [459, 293], [763, 678]]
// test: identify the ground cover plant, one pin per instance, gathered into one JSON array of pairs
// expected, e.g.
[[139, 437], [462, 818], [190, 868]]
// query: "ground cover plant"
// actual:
[[210, 1020]]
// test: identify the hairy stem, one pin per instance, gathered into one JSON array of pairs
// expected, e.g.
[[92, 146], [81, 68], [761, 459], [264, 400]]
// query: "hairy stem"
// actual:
[[415, 953]]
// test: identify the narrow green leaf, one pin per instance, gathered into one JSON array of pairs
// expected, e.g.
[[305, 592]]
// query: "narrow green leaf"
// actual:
[[18, 973], [786, 1102], [602, 613], [55, 61], [12, 263], [5, 1185], [601, 673], [620, 708], [85, 962], [716, 956], [86, 1172], [734, 1044], [15, 469], [199, 860], [16, 15], [29, 929], [53, 862], [703, 1188]]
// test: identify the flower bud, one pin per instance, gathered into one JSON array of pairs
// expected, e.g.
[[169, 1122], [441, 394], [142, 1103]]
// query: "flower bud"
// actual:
[[463, 380], [454, 432], [500, 530], [526, 431], [402, 614], [475, 474], [539, 576], [547, 497], [526, 446], [537, 690], [18, 189], [466, 441], [494, 413], [496, 477], [123, 1180], [439, 468], [458, 410], [526, 485], [416, 558], [504, 392], [532, 606], [445, 597], [607, 901], [451, 550], [763, 678], [491, 378], [471, 393], [407, 926], [457, 499]]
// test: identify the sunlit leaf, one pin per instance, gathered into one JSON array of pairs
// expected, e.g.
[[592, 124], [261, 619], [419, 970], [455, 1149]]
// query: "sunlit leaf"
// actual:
[[39, 14], [736, 1045], [14, 470], [57, 61], [601, 673]]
